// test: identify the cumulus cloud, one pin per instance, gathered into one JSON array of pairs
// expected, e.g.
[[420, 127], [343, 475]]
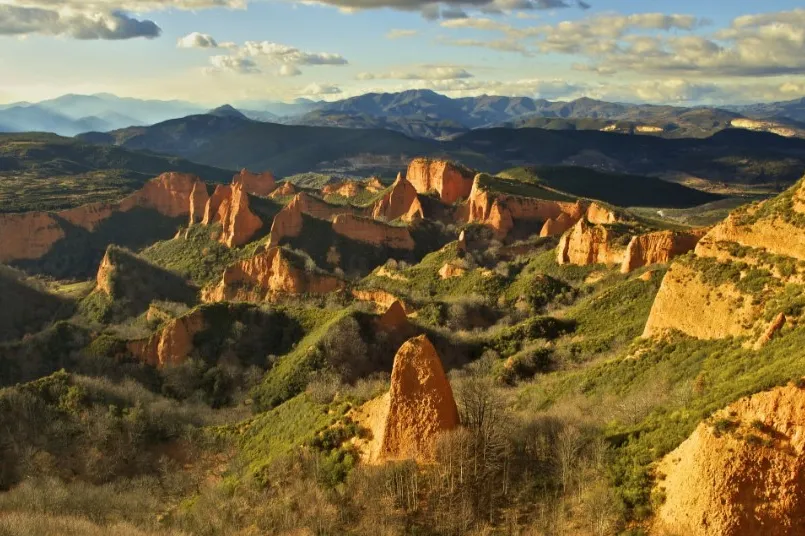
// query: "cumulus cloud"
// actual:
[[317, 90], [197, 40], [400, 33], [232, 64], [448, 9], [433, 72], [112, 25], [285, 54], [289, 70]]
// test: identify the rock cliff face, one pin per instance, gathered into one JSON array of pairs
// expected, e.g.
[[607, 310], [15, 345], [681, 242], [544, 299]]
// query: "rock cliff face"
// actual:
[[261, 184], [213, 211], [285, 189], [659, 247], [394, 319], [239, 223], [266, 276], [173, 344], [28, 235], [743, 479], [103, 278], [448, 271], [737, 273], [450, 181], [586, 243], [421, 403], [348, 188], [373, 232], [32, 234], [381, 299], [401, 201], [598, 214], [288, 222], [557, 226]]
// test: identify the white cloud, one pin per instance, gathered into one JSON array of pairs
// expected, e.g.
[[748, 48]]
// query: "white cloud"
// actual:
[[429, 72], [289, 70], [285, 54], [197, 40], [317, 90], [90, 24], [232, 64], [400, 33]]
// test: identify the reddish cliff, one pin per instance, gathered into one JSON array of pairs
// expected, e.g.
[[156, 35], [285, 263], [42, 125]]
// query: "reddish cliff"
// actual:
[[373, 232], [213, 211], [239, 223], [659, 247], [557, 226], [198, 202], [742, 478], [401, 201], [260, 184], [173, 344], [28, 235], [586, 243], [381, 299], [394, 319], [288, 222], [421, 403], [267, 275], [169, 194], [348, 188], [450, 181], [285, 189]]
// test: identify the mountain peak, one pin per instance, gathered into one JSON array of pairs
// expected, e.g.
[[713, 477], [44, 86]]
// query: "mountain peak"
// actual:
[[227, 111]]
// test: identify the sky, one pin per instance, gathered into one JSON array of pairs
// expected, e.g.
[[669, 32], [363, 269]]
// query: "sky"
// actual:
[[213, 52]]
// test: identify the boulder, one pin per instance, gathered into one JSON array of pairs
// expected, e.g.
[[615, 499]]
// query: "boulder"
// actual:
[[373, 232], [401, 201], [421, 403], [268, 275], [659, 247], [451, 181], [740, 473], [260, 184]]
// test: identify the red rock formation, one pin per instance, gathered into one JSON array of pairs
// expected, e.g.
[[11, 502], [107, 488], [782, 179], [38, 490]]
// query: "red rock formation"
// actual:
[[381, 298], [288, 222], [198, 202], [103, 280], [659, 247], [27, 235], [401, 201], [449, 271], [260, 184], [597, 214], [239, 223], [169, 194], [394, 318], [722, 482], [285, 189], [347, 188], [212, 209], [374, 184], [267, 275], [173, 344], [586, 244], [450, 181], [315, 207], [89, 216], [373, 232], [558, 226], [421, 403]]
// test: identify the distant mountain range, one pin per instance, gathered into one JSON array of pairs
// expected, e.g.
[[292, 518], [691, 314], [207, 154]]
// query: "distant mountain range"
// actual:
[[415, 113], [227, 139]]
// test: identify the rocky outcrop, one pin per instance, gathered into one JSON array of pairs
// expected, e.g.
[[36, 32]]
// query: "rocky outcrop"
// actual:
[[731, 284], [198, 202], [348, 188], [394, 319], [401, 201], [214, 209], [374, 184], [288, 222], [451, 181], [28, 235], [284, 190], [741, 472], [173, 344], [421, 403], [373, 232], [239, 223], [268, 275], [91, 215], [659, 247], [260, 184], [450, 270], [586, 244], [557, 226], [773, 329], [381, 298], [103, 280], [598, 214], [169, 194]]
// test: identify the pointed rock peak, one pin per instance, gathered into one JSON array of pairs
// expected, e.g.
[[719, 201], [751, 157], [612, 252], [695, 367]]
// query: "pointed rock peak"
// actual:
[[394, 318], [421, 403], [260, 184]]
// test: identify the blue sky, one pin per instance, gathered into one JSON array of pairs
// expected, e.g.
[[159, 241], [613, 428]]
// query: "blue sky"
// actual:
[[218, 51]]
